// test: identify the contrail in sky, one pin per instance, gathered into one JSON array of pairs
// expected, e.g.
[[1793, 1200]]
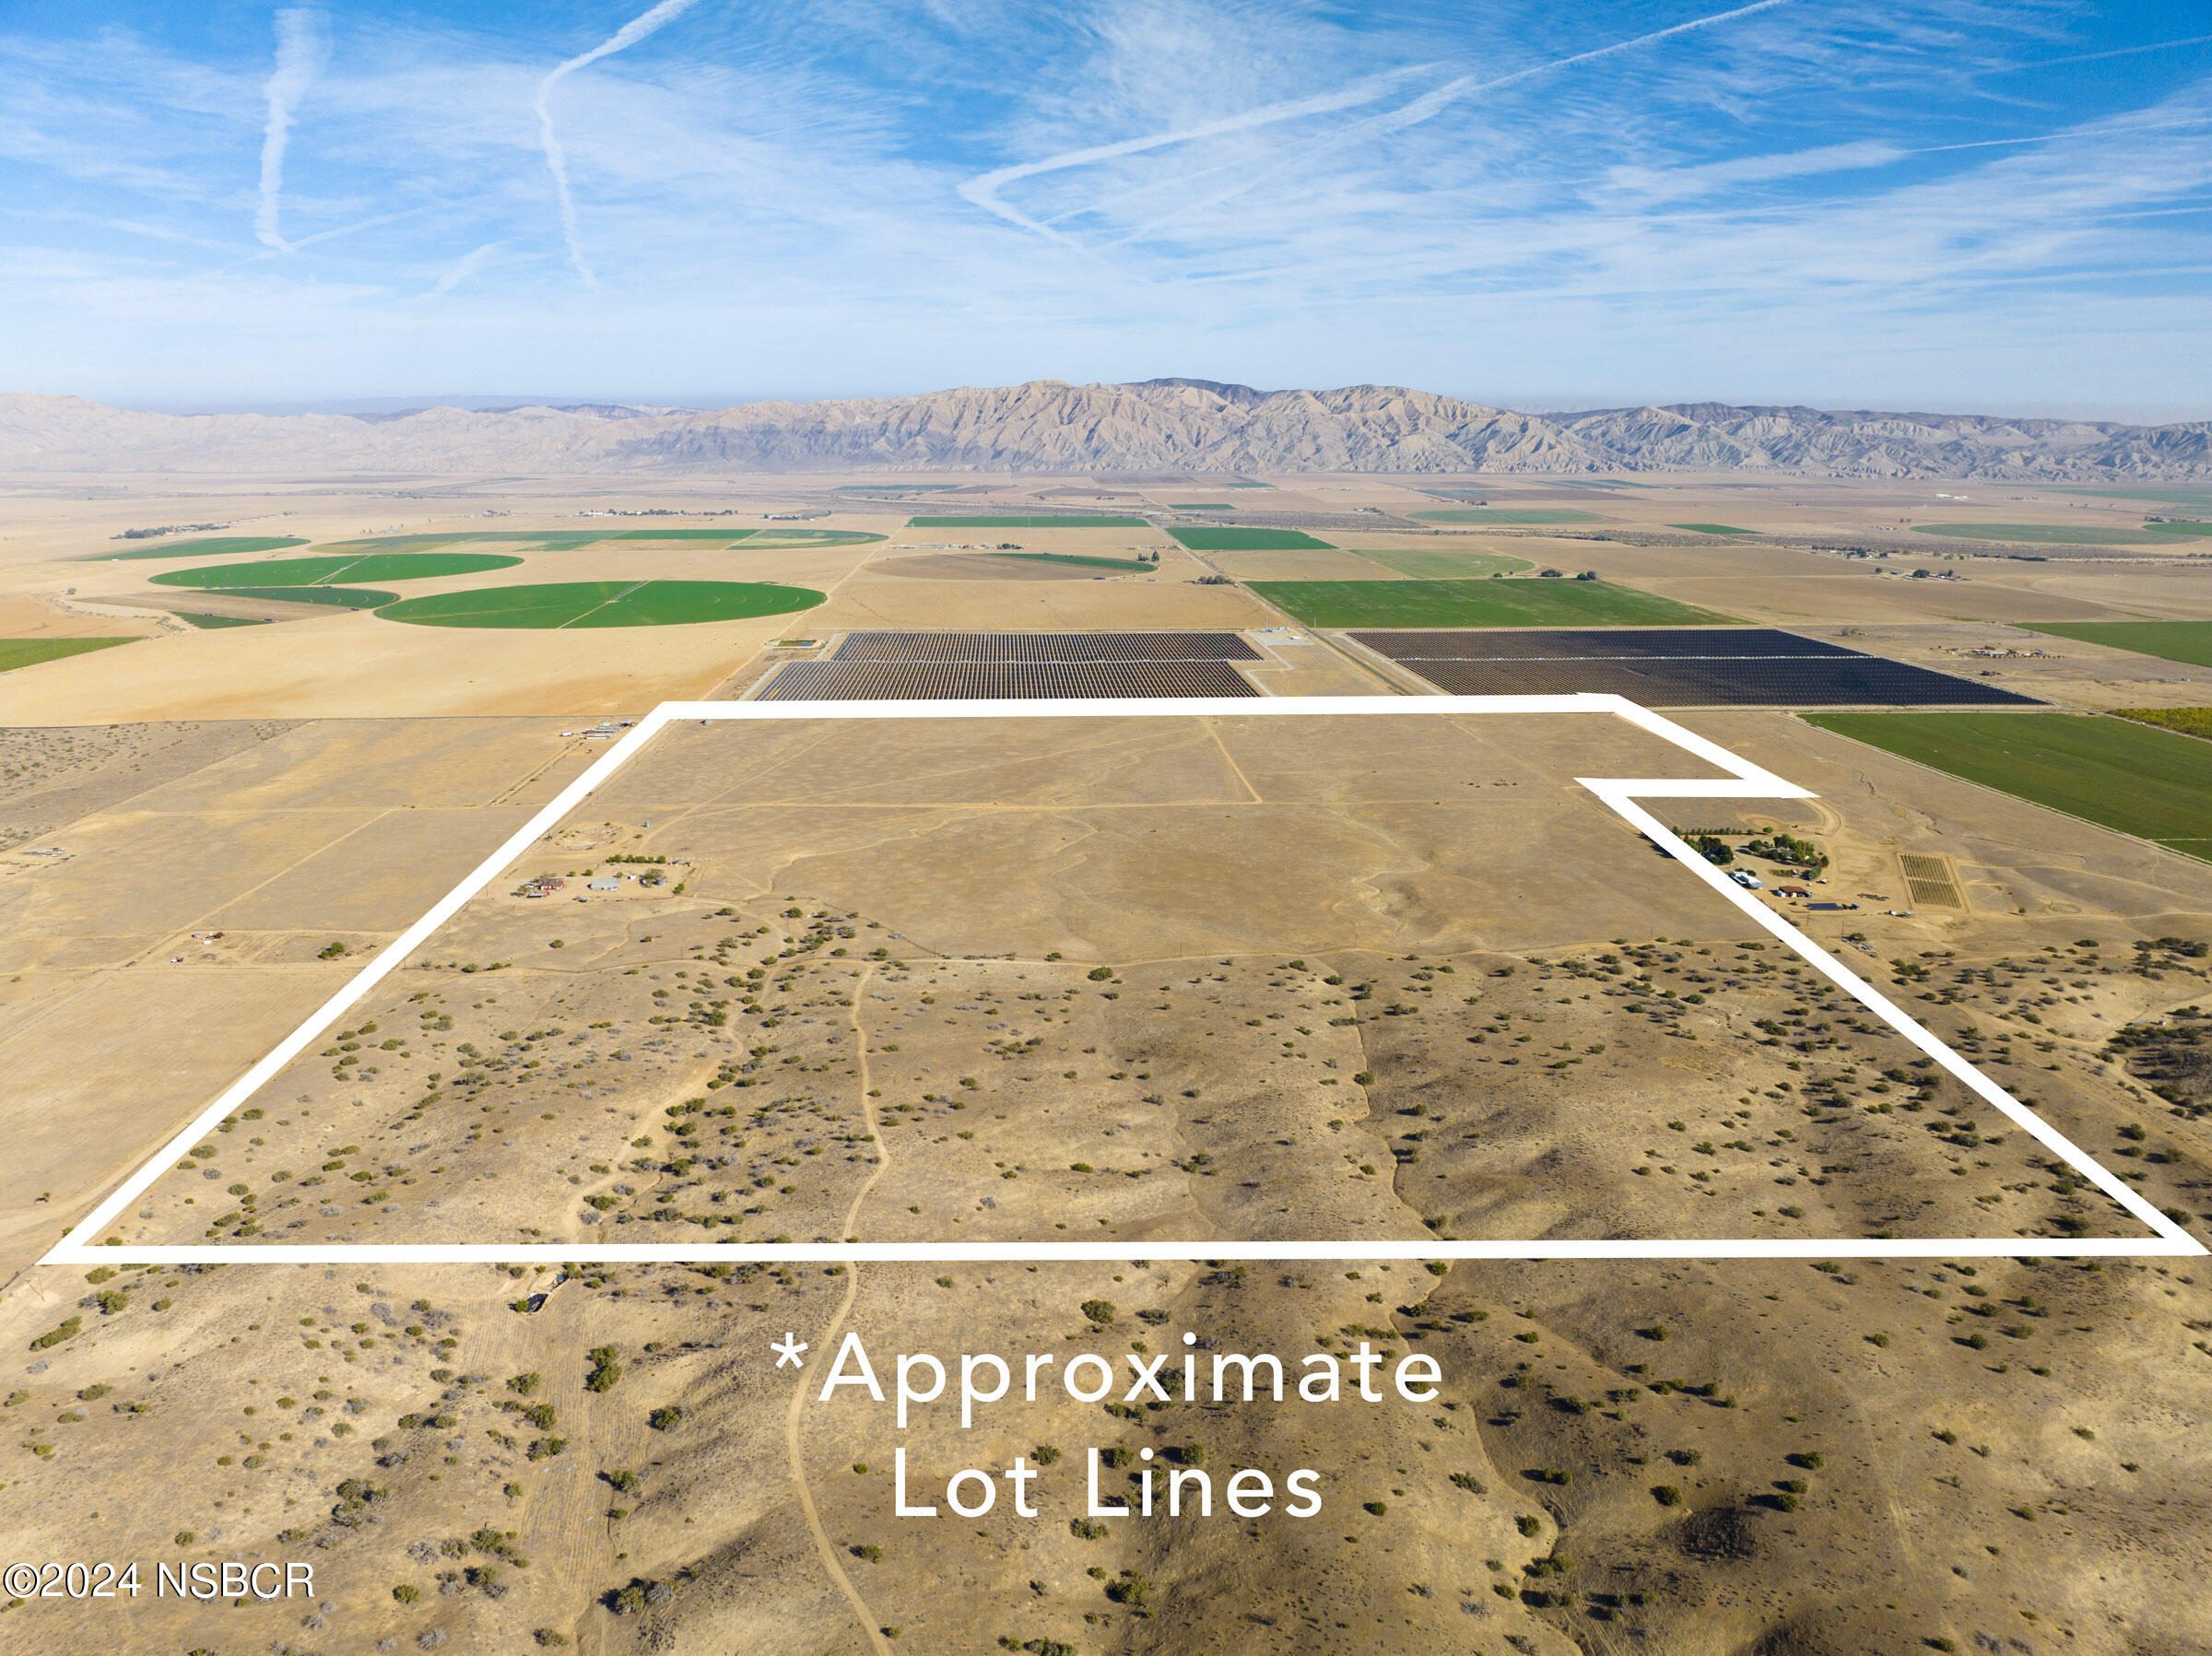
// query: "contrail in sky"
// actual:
[[469, 263], [629, 34], [302, 46], [983, 190]]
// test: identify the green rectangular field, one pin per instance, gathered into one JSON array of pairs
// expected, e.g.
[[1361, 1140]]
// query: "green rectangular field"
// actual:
[[1069, 521], [2040, 534], [1447, 565], [1422, 604], [1120, 566], [216, 623], [2153, 783], [217, 548], [1713, 528], [2185, 497], [2188, 642], [29, 652], [1208, 539], [679, 534], [1492, 514]]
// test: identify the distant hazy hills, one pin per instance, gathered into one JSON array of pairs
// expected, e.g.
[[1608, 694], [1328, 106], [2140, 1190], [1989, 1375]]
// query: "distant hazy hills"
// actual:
[[1158, 426]]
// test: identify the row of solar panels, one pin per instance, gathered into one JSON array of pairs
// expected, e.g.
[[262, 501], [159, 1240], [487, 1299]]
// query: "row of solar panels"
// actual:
[[1700, 666]]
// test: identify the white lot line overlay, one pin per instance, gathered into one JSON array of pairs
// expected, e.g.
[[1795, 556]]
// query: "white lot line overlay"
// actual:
[[1742, 781]]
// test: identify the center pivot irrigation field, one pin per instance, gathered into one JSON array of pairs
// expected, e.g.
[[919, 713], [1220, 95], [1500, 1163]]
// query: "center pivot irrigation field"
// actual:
[[328, 570], [604, 603], [923, 828]]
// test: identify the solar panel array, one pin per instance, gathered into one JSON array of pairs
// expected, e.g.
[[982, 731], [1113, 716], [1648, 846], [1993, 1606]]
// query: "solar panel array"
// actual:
[[1593, 643], [1677, 666], [1045, 647], [927, 666]]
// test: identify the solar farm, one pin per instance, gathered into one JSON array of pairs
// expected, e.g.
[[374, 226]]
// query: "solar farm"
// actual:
[[922, 666], [1677, 667]]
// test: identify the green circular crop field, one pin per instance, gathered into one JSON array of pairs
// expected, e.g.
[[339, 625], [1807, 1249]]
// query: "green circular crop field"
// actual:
[[604, 603], [315, 571]]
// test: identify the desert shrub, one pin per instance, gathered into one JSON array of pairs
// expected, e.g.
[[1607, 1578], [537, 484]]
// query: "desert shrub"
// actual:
[[1100, 1311], [1666, 1494]]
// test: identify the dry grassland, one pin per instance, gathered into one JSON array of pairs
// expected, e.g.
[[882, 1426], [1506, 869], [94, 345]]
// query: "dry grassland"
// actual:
[[1851, 1458]]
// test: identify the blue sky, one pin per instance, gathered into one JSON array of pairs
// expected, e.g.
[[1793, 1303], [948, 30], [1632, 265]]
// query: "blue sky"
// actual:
[[1945, 204]]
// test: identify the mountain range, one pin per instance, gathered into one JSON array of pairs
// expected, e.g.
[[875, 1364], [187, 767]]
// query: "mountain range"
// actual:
[[1049, 426]]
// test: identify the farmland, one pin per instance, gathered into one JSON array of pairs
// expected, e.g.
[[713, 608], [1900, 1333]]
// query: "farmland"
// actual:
[[2188, 721], [1710, 528], [2046, 534], [221, 546], [317, 572], [594, 603], [1502, 515], [2170, 641], [1447, 565], [1120, 566], [1019, 521], [29, 652], [1208, 539], [336, 597], [2152, 783], [1476, 604]]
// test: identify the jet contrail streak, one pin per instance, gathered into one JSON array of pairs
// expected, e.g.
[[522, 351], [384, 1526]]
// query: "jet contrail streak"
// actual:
[[556, 163], [983, 189], [302, 46], [469, 263]]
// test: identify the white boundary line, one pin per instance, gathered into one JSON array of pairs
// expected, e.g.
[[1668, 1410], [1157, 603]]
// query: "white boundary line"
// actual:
[[1742, 781]]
